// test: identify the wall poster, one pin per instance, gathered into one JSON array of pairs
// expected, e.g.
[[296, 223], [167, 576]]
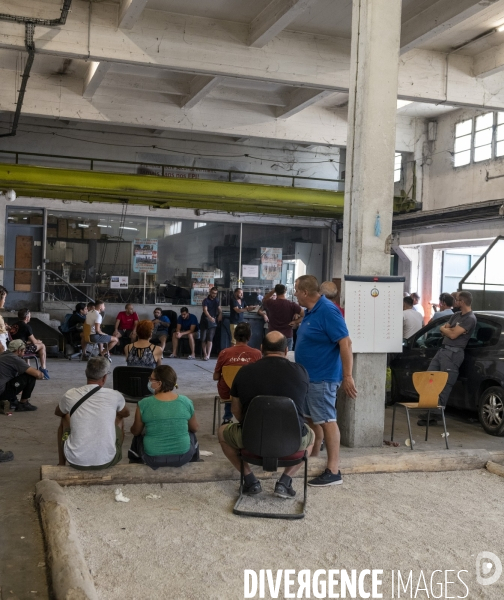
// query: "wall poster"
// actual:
[[271, 263], [201, 282], [145, 256]]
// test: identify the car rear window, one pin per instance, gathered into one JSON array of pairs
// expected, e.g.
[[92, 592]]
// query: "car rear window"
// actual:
[[484, 334]]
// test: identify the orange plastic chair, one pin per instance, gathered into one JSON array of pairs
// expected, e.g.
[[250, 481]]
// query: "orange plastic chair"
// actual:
[[428, 384], [86, 332], [228, 374]]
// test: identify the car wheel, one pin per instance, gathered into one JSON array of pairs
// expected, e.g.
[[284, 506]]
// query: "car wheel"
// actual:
[[491, 410]]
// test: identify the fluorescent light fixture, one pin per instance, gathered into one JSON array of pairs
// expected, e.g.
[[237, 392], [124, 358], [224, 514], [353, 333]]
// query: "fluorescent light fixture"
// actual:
[[109, 226], [83, 225], [130, 228], [500, 29], [403, 103]]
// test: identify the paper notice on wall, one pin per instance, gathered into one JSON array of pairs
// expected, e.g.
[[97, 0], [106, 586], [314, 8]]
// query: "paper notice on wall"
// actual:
[[250, 271], [145, 256], [201, 282], [271, 263], [118, 282]]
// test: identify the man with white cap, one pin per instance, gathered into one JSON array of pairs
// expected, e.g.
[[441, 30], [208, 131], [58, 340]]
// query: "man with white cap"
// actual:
[[16, 377]]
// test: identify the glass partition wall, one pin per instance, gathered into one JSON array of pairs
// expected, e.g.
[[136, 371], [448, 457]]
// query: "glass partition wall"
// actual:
[[164, 261]]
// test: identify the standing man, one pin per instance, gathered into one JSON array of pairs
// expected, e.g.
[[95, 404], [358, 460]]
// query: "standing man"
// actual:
[[16, 377], [456, 333], [208, 324], [330, 290], [94, 319], [237, 308], [324, 349], [280, 313], [187, 326], [445, 307], [126, 324], [22, 331], [412, 320]]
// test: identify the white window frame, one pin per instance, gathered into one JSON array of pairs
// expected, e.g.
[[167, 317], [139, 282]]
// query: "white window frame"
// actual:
[[492, 140], [471, 146], [397, 169]]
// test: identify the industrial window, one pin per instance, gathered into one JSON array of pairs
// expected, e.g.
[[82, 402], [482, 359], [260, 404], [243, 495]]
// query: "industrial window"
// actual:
[[173, 227], [463, 139], [397, 167], [198, 224], [499, 135], [483, 137]]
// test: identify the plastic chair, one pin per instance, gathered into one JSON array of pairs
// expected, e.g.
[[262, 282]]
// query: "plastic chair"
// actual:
[[27, 356], [228, 374], [86, 332], [271, 437], [132, 382], [428, 384]]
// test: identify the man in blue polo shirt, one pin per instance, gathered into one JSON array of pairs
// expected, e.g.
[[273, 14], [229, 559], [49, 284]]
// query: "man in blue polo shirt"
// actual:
[[324, 349], [187, 326]]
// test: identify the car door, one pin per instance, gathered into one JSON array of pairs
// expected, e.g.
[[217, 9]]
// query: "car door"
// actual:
[[418, 351]]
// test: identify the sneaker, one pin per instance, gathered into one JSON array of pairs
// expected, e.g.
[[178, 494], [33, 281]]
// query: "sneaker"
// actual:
[[252, 489], [25, 406], [6, 456], [282, 491], [107, 356], [327, 478], [191, 357], [423, 422], [45, 373], [4, 407]]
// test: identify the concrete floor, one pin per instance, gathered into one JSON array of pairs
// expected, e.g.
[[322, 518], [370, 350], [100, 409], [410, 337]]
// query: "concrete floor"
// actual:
[[32, 438]]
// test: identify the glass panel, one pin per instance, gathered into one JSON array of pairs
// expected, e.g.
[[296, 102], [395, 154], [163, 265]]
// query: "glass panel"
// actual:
[[478, 275], [482, 153], [25, 216], [462, 158], [430, 339], [494, 288], [398, 161], [499, 149], [484, 334], [397, 175], [499, 133], [463, 128], [482, 138], [495, 260], [484, 121], [500, 118], [455, 265], [463, 143]]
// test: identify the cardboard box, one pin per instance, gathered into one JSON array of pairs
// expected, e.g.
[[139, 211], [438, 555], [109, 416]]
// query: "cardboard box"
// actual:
[[52, 231], [52, 220], [91, 233], [36, 220], [74, 234], [62, 228]]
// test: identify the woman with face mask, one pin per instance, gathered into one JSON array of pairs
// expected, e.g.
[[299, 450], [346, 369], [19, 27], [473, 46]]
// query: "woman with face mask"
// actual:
[[165, 425]]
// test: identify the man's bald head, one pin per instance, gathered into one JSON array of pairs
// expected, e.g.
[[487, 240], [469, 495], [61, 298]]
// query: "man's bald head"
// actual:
[[274, 343], [330, 290]]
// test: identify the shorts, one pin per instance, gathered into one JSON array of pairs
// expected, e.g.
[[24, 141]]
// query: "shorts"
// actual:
[[233, 437], [98, 338], [117, 458], [207, 333], [195, 334], [321, 401], [30, 348]]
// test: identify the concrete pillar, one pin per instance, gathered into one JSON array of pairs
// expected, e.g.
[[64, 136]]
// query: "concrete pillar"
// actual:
[[426, 256], [369, 189]]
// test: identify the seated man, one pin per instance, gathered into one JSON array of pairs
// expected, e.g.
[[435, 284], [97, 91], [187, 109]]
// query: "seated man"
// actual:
[[188, 327], [161, 328], [238, 355], [273, 375], [94, 319], [16, 376], [22, 331], [91, 433], [126, 324], [73, 326], [4, 337]]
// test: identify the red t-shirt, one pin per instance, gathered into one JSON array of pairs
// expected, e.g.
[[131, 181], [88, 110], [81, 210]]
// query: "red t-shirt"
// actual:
[[126, 321], [235, 356], [280, 314]]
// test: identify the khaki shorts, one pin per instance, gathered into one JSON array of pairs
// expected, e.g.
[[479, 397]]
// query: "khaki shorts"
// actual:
[[117, 458], [233, 437]]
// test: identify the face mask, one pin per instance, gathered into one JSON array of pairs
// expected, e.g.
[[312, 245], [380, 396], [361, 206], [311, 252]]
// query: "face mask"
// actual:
[[150, 388]]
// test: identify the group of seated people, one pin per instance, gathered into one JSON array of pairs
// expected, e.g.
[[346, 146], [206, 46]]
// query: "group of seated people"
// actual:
[[91, 430]]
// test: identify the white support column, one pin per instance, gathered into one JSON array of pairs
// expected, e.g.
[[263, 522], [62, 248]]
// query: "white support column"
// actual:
[[376, 30], [94, 77], [129, 12]]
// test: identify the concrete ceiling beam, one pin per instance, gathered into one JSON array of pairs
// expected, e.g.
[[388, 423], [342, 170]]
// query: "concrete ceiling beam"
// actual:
[[436, 19], [199, 87], [94, 77], [275, 17], [490, 62], [129, 12], [301, 99]]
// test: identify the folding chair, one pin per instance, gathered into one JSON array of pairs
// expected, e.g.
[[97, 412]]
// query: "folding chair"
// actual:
[[132, 382], [228, 374], [428, 384], [271, 438], [95, 347]]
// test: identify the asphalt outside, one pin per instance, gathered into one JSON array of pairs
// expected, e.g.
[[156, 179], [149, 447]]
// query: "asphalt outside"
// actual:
[[31, 436]]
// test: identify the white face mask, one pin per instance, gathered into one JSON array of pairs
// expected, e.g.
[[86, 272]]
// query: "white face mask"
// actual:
[[150, 388]]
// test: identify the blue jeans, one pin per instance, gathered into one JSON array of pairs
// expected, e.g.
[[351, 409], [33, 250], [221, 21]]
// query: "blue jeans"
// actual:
[[321, 401]]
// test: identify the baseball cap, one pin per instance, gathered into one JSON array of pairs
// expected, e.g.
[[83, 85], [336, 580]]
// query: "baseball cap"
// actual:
[[16, 345]]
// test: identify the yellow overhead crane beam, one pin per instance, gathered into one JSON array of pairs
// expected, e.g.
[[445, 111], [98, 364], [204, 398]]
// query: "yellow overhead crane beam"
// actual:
[[165, 192]]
